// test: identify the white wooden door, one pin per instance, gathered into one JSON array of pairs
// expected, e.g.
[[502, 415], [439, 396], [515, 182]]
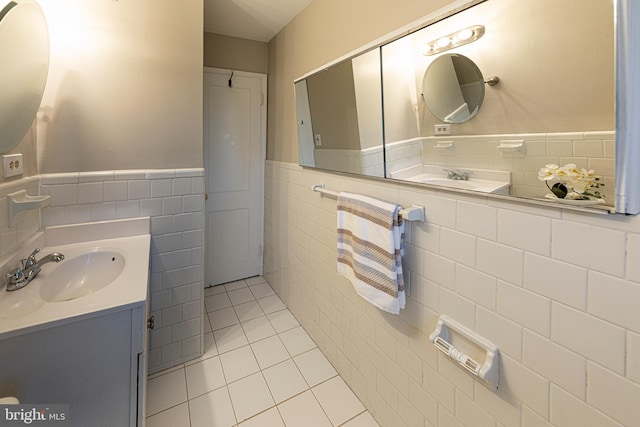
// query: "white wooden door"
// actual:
[[234, 155]]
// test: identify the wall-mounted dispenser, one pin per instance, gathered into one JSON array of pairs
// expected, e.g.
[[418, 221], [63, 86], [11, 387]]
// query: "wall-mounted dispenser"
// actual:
[[456, 341]]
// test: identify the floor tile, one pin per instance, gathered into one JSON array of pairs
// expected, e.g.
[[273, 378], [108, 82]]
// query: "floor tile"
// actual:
[[284, 380], [251, 281], [166, 391], [315, 367], [240, 296], [363, 420], [250, 396], [257, 329], [174, 417], [337, 400], [217, 302], [230, 338], [239, 363], [271, 304], [248, 310], [297, 341], [212, 409], [209, 349], [303, 410], [213, 290], [204, 376], [270, 418], [235, 285], [222, 318], [269, 351], [283, 320], [166, 371], [262, 290]]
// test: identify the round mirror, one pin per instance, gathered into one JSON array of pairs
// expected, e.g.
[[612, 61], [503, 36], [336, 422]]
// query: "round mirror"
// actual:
[[24, 55], [453, 88]]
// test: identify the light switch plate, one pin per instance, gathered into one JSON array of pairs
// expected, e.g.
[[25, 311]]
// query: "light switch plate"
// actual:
[[12, 165]]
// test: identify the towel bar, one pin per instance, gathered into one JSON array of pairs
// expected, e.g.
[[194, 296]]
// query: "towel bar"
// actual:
[[413, 213]]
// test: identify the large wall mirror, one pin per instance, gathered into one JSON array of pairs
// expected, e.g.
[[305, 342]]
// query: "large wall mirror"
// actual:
[[485, 112], [24, 55]]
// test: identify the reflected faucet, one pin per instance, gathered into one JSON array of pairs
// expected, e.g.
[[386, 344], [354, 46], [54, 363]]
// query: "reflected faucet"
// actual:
[[29, 269], [457, 175]]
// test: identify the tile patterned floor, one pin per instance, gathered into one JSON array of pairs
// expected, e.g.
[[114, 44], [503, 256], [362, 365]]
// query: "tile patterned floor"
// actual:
[[260, 369]]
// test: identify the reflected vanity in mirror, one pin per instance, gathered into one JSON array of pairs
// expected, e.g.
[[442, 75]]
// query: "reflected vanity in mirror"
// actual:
[[554, 103], [24, 55]]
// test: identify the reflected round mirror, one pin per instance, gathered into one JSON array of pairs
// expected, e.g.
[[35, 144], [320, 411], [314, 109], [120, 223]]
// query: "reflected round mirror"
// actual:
[[453, 88], [24, 55]]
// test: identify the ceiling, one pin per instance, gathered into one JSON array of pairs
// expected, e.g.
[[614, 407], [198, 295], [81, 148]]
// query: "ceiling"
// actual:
[[250, 19]]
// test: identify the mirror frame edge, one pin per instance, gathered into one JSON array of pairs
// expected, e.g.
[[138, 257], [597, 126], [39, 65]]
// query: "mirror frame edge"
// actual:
[[627, 107]]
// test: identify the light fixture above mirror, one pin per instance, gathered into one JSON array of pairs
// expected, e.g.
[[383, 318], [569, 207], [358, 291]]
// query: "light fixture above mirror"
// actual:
[[459, 38]]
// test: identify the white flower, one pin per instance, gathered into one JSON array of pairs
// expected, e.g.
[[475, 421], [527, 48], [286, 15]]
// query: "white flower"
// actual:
[[579, 182], [548, 172]]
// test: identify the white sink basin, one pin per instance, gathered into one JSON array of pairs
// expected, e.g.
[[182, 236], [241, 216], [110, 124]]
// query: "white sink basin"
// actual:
[[82, 275], [481, 185], [484, 181], [109, 271]]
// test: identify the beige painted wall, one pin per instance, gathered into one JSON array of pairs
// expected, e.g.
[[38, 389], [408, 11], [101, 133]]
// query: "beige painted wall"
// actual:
[[324, 31], [234, 53], [124, 88]]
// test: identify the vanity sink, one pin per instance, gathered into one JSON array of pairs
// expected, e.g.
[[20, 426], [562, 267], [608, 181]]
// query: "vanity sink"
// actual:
[[105, 269], [480, 180], [86, 307], [82, 275]]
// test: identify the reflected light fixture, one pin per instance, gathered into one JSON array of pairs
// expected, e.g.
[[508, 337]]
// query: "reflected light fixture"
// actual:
[[459, 38]]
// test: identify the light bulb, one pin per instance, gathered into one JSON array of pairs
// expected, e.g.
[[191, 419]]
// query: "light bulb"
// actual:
[[465, 34], [443, 42]]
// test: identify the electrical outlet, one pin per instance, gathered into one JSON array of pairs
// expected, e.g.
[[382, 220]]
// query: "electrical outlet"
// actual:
[[318, 139], [12, 165], [442, 129]]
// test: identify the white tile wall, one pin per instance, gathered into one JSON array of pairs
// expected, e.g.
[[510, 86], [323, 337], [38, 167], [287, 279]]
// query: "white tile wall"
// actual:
[[558, 292], [589, 150], [174, 201]]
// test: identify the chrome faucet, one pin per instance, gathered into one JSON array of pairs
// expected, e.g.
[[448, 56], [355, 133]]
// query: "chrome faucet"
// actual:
[[29, 269], [457, 175]]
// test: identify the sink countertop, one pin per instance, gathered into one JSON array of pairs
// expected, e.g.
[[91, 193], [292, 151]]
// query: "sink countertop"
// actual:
[[128, 237], [480, 180]]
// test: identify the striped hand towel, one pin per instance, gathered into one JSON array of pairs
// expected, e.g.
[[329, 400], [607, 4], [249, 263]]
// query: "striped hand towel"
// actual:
[[370, 239]]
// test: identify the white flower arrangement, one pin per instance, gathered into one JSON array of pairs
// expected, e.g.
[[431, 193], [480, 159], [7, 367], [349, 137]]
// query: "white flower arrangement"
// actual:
[[570, 182]]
